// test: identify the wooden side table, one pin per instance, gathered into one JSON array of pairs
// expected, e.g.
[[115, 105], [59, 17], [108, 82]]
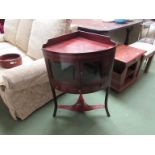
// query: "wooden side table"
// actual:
[[127, 65]]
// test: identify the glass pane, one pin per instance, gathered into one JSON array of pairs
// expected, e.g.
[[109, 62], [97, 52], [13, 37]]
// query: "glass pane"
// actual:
[[92, 71], [63, 71]]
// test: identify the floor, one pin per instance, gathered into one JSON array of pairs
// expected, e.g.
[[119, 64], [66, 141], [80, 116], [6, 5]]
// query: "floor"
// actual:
[[132, 112]]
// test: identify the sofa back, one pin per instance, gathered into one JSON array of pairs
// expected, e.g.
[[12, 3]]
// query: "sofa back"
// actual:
[[10, 30], [23, 34], [29, 35], [41, 31]]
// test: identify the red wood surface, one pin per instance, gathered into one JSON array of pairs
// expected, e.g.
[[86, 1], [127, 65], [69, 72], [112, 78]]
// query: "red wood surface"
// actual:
[[78, 45], [101, 25], [126, 53]]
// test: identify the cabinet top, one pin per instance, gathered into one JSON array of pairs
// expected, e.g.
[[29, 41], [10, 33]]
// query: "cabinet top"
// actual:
[[79, 42]]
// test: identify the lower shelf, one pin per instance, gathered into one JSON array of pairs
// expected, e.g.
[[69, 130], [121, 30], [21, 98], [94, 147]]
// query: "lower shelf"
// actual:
[[81, 106]]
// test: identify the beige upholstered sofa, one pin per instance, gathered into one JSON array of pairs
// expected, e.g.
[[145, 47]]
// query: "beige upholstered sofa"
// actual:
[[25, 88]]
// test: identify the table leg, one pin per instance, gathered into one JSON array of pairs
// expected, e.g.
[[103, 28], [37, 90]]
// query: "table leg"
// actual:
[[106, 102], [148, 64], [128, 30]]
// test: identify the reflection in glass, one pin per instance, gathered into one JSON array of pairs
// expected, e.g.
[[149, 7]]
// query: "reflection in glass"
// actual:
[[63, 71], [92, 71]]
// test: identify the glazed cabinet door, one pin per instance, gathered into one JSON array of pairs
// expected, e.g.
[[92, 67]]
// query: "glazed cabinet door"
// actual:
[[65, 75]]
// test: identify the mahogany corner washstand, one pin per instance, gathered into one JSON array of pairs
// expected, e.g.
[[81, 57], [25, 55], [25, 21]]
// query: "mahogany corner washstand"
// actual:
[[79, 63]]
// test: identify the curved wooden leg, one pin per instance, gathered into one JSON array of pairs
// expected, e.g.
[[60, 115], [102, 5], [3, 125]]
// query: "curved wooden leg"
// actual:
[[106, 102], [55, 102]]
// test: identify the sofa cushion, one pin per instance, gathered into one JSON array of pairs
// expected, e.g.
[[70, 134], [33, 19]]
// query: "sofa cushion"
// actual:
[[41, 31], [10, 29], [23, 34]]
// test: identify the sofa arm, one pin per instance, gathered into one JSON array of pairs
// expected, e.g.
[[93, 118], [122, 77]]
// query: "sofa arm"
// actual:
[[25, 76], [1, 37]]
